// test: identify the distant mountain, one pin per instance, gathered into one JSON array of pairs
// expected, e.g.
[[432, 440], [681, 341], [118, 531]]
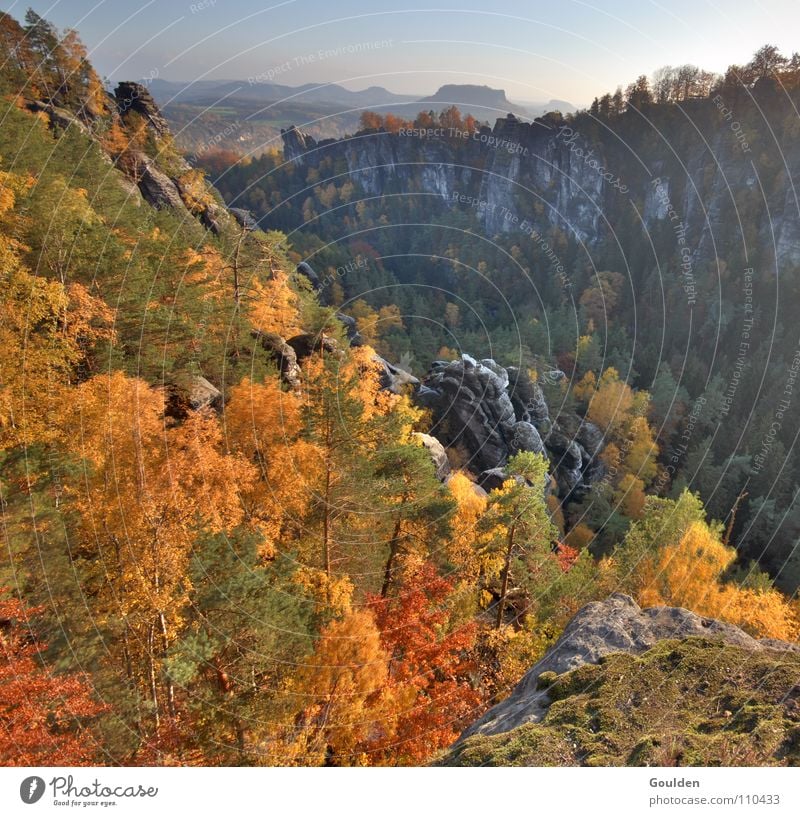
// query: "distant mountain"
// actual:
[[246, 115], [481, 101], [540, 108], [212, 92]]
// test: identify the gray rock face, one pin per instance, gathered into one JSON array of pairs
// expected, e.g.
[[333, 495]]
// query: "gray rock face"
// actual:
[[492, 413], [244, 218], [157, 188], [438, 455], [189, 392], [582, 176], [617, 624], [59, 117], [285, 356], [471, 409], [306, 270], [492, 479], [526, 438], [353, 335], [132, 97], [395, 379], [296, 144]]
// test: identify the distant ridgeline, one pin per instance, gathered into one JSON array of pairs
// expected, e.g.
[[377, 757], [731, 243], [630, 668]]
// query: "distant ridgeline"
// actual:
[[657, 233]]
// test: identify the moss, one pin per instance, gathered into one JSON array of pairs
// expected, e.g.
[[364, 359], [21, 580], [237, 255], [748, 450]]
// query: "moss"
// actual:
[[689, 702]]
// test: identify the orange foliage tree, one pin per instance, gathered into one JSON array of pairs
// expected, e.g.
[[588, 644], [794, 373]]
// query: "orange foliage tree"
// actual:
[[43, 716], [146, 492], [430, 667]]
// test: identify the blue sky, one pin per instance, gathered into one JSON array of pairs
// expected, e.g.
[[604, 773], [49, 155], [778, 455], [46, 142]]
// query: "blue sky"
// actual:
[[561, 49]]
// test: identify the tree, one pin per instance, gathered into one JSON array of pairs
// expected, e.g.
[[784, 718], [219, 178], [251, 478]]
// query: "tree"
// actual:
[[767, 61], [47, 330], [44, 717], [370, 121], [690, 573], [430, 668], [414, 507], [145, 494], [639, 94], [249, 626], [522, 533], [343, 692]]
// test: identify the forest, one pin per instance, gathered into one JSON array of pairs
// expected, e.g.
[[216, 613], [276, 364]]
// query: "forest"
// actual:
[[526, 256], [210, 560]]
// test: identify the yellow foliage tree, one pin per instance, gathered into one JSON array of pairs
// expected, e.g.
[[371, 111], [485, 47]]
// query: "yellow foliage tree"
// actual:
[[146, 493], [689, 574], [343, 689]]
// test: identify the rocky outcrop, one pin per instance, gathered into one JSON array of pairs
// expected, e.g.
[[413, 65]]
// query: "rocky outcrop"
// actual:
[[306, 270], [351, 328], [132, 97], [285, 357], [395, 379], [191, 392], [157, 189], [617, 624], [438, 455], [306, 344], [491, 413], [57, 117], [244, 218], [580, 178]]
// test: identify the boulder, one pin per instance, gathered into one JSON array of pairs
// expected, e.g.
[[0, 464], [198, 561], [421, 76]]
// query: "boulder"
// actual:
[[492, 479], [616, 624], [284, 355], [394, 379], [191, 392], [438, 455], [526, 438]]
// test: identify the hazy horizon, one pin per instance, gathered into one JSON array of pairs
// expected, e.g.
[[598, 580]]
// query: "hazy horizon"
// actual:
[[534, 51]]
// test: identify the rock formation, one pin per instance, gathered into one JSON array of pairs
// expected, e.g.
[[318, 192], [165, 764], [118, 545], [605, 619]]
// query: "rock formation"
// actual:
[[189, 392], [438, 455], [581, 177], [132, 97], [616, 624], [490, 413]]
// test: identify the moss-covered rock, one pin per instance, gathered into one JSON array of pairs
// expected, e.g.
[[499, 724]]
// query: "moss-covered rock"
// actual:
[[683, 702]]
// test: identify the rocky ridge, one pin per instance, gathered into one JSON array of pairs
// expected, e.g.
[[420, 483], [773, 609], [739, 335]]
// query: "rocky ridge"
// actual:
[[571, 175], [616, 624]]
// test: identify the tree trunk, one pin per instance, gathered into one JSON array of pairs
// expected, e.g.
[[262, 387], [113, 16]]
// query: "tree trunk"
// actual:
[[394, 548], [326, 524], [165, 645], [501, 603], [152, 675]]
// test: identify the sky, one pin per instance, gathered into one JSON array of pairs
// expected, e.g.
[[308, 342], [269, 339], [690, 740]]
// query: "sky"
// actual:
[[535, 51]]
